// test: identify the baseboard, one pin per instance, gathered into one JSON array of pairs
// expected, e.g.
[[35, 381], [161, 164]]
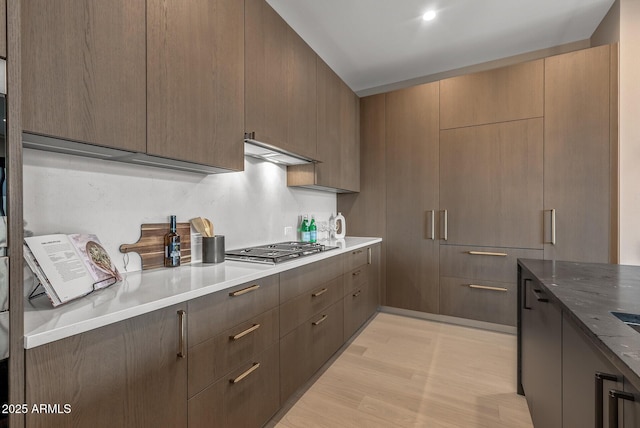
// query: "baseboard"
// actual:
[[450, 320]]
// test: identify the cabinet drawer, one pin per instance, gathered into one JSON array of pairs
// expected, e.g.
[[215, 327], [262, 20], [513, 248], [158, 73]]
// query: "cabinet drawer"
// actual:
[[479, 300], [358, 306], [215, 357], [217, 312], [356, 278], [306, 278], [308, 347], [483, 263], [356, 258], [247, 397], [299, 309]]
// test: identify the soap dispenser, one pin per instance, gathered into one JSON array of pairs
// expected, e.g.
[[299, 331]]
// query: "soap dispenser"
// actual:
[[340, 226]]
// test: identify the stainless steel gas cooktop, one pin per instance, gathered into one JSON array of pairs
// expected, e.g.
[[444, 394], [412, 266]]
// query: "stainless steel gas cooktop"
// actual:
[[276, 253]]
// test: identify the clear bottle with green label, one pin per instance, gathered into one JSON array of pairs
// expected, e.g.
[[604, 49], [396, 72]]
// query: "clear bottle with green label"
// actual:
[[306, 235], [313, 230]]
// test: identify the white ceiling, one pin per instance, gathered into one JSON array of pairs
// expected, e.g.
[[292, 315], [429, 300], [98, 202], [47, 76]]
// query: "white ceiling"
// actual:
[[371, 43]]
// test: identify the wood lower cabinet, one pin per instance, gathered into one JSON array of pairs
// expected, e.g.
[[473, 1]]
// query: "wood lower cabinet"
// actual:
[[308, 347], [195, 81], [246, 397], [631, 409], [126, 374], [84, 71], [361, 291], [412, 164], [578, 157]]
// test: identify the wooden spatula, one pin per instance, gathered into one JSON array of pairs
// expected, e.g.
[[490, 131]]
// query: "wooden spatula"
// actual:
[[200, 226], [208, 227]]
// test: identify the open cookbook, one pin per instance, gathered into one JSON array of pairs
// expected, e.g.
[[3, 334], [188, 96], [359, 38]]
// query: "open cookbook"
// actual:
[[69, 266]]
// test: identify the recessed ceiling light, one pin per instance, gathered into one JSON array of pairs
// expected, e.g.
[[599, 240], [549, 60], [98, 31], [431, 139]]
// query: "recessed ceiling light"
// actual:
[[428, 16]]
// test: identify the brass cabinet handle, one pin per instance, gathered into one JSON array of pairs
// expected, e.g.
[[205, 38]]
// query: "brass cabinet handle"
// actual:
[[357, 293], [369, 256], [319, 293], [553, 227], [357, 252], [182, 349], [356, 273], [244, 333], [487, 287], [320, 321], [432, 225], [445, 235], [486, 253], [250, 370], [244, 291]]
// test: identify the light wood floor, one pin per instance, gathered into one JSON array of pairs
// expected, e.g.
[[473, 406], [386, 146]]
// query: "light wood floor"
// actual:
[[407, 372]]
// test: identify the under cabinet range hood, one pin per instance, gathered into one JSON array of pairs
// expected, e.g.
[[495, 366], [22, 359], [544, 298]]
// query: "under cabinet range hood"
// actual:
[[257, 149], [40, 142]]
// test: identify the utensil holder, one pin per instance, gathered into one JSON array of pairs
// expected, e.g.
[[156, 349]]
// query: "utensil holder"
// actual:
[[213, 249]]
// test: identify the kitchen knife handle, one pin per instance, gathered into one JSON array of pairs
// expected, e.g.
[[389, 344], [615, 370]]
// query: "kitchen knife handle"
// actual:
[[599, 392], [182, 341]]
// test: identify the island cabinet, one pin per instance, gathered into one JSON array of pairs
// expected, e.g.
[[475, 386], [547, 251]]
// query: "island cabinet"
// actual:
[[312, 323], [195, 81], [233, 376], [84, 71], [338, 138], [129, 374], [541, 337], [280, 82]]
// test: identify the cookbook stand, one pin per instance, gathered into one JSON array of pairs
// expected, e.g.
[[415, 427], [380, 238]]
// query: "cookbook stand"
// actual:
[[95, 287]]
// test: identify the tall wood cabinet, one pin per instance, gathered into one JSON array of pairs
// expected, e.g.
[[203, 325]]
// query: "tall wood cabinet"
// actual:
[[83, 71], [120, 375], [577, 180], [280, 82], [195, 81], [411, 124]]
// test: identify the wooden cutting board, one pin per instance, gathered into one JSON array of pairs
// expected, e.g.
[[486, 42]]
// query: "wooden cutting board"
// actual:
[[150, 246]]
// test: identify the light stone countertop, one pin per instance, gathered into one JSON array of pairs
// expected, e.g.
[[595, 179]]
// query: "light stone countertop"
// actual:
[[142, 292]]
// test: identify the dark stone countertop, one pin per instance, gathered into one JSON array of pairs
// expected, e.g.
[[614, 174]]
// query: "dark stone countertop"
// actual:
[[588, 292]]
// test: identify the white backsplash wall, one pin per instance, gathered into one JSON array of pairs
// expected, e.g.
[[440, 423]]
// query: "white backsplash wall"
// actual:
[[71, 194]]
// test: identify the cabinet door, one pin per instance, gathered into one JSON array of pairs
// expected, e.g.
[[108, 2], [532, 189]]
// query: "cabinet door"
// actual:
[[580, 363], [349, 140], [266, 110], [126, 374], [412, 193], [195, 87], [491, 184], [576, 156], [329, 95], [83, 71], [500, 95], [541, 363]]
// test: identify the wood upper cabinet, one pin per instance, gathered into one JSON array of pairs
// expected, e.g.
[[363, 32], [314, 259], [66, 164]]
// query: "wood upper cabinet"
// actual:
[[3, 28], [338, 142], [412, 135], [280, 82], [491, 184], [126, 374], [500, 95], [577, 159], [83, 71], [195, 87]]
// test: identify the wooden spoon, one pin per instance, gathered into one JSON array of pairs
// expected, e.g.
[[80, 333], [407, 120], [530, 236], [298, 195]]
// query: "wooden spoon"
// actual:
[[208, 227], [199, 225]]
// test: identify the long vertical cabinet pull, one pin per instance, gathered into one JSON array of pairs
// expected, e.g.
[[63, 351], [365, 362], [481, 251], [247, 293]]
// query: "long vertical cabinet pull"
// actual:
[[614, 395], [182, 342], [524, 294], [431, 225], [445, 223], [599, 393], [553, 227]]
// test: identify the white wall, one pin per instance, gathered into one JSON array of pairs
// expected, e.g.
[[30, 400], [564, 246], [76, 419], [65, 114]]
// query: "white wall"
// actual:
[[71, 194], [630, 132]]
